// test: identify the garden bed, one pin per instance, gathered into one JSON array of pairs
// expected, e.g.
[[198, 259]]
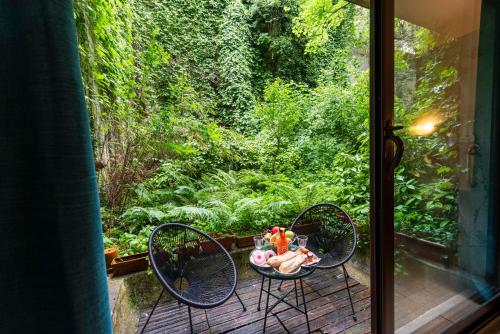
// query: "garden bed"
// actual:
[[129, 264], [423, 248]]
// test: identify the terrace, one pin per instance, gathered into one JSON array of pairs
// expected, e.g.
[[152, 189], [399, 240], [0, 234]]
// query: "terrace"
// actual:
[[233, 118], [429, 296], [326, 297]]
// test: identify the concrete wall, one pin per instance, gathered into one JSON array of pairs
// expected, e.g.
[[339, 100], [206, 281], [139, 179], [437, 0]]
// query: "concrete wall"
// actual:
[[475, 242]]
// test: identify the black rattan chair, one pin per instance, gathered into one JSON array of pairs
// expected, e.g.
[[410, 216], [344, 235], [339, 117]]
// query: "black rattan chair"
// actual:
[[193, 267], [331, 235]]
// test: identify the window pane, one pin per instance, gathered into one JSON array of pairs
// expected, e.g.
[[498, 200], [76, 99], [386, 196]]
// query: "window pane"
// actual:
[[446, 245]]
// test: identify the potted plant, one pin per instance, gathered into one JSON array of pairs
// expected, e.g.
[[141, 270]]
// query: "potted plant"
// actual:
[[226, 242], [109, 255], [244, 241], [307, 228], [212, 228], [129, 264], [191, 248]]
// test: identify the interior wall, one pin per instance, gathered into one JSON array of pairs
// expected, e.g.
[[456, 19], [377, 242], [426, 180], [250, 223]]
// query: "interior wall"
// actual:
[[451, 18]]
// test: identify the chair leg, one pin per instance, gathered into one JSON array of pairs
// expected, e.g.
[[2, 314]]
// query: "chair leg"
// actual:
[[190, 319], [180, 288], [241, 302], [279, 287], [260, 295], [206, 316], [346, 275], [151, 313], [237, 296]]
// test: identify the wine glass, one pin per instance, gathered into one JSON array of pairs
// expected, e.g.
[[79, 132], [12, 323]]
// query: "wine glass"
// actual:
[[258, 241], [302, 240]]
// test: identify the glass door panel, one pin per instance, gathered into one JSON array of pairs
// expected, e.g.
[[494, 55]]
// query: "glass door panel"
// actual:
[[445, 229]]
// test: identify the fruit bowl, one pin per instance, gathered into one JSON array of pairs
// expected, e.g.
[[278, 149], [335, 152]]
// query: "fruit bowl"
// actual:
[[271, 238], [269, 246]]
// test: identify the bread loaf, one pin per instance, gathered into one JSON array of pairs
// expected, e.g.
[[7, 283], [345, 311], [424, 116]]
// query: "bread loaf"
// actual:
[[276, 261], [293, 264]]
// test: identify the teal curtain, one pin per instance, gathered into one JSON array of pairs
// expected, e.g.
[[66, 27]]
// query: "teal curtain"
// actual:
[[52, 271]]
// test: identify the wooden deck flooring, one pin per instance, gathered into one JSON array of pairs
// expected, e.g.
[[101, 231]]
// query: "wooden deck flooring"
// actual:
[[327, 303]]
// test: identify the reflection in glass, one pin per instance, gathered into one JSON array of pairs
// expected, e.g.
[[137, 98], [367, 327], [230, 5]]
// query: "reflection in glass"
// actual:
[[426, 125], [444, 217]]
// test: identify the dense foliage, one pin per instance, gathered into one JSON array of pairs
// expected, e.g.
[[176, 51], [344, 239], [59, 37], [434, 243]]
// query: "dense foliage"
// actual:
[[236, 115]]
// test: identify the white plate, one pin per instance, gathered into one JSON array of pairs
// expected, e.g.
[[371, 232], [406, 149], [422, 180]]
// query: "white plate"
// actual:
[[287, 274], [251, 260], [315, 262]]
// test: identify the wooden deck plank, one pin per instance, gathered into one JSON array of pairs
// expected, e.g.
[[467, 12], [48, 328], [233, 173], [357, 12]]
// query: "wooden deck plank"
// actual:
[[328, 313], [272, 326], [343, 323], [319, 307], [326, 298], [361, 327]]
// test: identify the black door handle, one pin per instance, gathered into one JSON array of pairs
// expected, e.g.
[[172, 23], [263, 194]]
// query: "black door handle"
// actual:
[[398, 142], [473, 150]]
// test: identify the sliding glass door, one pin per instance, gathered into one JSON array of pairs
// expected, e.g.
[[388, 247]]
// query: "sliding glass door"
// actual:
[[435, 236], [444, 215]]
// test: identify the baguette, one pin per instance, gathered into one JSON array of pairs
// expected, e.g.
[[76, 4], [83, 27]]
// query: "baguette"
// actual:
[[292, 264], [276, 261]]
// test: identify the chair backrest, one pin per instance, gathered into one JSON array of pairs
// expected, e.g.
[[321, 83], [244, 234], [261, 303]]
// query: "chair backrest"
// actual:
[[193, 267], [331, 233]]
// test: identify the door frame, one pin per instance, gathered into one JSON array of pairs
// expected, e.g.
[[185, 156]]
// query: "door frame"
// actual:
[[381, 178]]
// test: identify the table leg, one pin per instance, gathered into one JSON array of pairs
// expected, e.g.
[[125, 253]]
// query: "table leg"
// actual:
[[260, 295], [280, 299], [305, 306], [267, 305]]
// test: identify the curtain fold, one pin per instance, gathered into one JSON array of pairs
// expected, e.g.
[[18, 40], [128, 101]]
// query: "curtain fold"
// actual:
[[52, 270]]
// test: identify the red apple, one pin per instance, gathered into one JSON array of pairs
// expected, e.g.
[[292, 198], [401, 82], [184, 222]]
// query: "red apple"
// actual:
[[275, 230]]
